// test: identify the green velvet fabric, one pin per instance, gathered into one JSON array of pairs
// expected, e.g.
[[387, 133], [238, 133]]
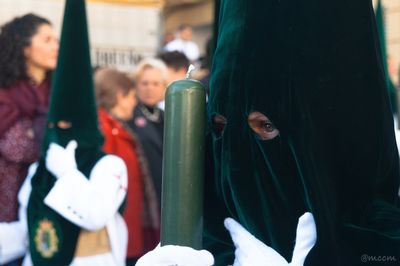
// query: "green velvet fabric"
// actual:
[[380, 21], [72, 97], [314, 69], [72, 101]]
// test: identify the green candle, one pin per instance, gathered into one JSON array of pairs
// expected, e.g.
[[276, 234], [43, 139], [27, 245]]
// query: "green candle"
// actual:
[[183, 164]]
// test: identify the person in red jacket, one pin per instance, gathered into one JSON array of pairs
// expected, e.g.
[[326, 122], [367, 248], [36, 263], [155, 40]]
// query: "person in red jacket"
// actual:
[[115, 94]]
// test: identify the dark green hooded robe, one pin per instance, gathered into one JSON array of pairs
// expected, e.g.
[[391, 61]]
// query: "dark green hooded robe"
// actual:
[[72, 116], [314, 69]]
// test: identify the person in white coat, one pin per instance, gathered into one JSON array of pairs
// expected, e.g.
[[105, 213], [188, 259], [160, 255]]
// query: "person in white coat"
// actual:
[[184, 43]]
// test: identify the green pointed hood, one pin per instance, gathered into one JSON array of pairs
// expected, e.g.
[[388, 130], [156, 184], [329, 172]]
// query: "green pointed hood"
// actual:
[[72, 116], [72, 101], [380, 22]]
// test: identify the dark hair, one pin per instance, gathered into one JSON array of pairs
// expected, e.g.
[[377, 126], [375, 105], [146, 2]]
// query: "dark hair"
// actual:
[[14, 37], [183, 27], [108, 82], [175, 60]]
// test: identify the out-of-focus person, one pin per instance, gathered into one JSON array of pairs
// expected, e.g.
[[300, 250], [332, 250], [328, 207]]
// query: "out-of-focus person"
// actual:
[[28, 53], [116, 99], [177, 64], [183, 43], [148, 120], [168, 37]]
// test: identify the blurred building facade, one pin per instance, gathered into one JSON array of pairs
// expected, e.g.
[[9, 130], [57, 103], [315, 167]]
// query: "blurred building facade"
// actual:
[[122, 32]]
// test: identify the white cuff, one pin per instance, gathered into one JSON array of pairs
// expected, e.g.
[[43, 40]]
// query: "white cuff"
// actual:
[[66, 194]]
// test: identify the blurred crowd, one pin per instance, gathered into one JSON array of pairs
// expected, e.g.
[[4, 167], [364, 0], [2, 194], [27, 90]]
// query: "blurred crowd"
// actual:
[[130, 113]]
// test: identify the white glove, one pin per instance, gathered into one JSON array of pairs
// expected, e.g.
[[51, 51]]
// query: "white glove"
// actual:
[[306, 236], [61, 160], [252, 252], [177, 256]]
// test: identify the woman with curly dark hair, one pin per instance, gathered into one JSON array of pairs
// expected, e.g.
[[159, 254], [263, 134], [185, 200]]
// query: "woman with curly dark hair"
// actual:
[[28, 53]]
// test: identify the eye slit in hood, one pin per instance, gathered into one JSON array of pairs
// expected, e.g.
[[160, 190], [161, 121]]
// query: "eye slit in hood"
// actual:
[[218, 125], [63, 124], [262, 126]]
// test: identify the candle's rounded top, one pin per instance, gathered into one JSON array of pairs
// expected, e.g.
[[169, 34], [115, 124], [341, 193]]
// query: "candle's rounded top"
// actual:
[[185, 85]]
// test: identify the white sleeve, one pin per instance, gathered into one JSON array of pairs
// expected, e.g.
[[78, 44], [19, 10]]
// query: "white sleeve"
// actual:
[[192, 51], [14, 235], [91, 203]]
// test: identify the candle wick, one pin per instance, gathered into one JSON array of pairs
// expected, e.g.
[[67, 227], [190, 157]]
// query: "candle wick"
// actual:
[[190, 69]]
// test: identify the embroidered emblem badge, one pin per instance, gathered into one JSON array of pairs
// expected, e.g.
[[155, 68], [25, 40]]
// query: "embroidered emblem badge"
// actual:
[[46, 240]]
